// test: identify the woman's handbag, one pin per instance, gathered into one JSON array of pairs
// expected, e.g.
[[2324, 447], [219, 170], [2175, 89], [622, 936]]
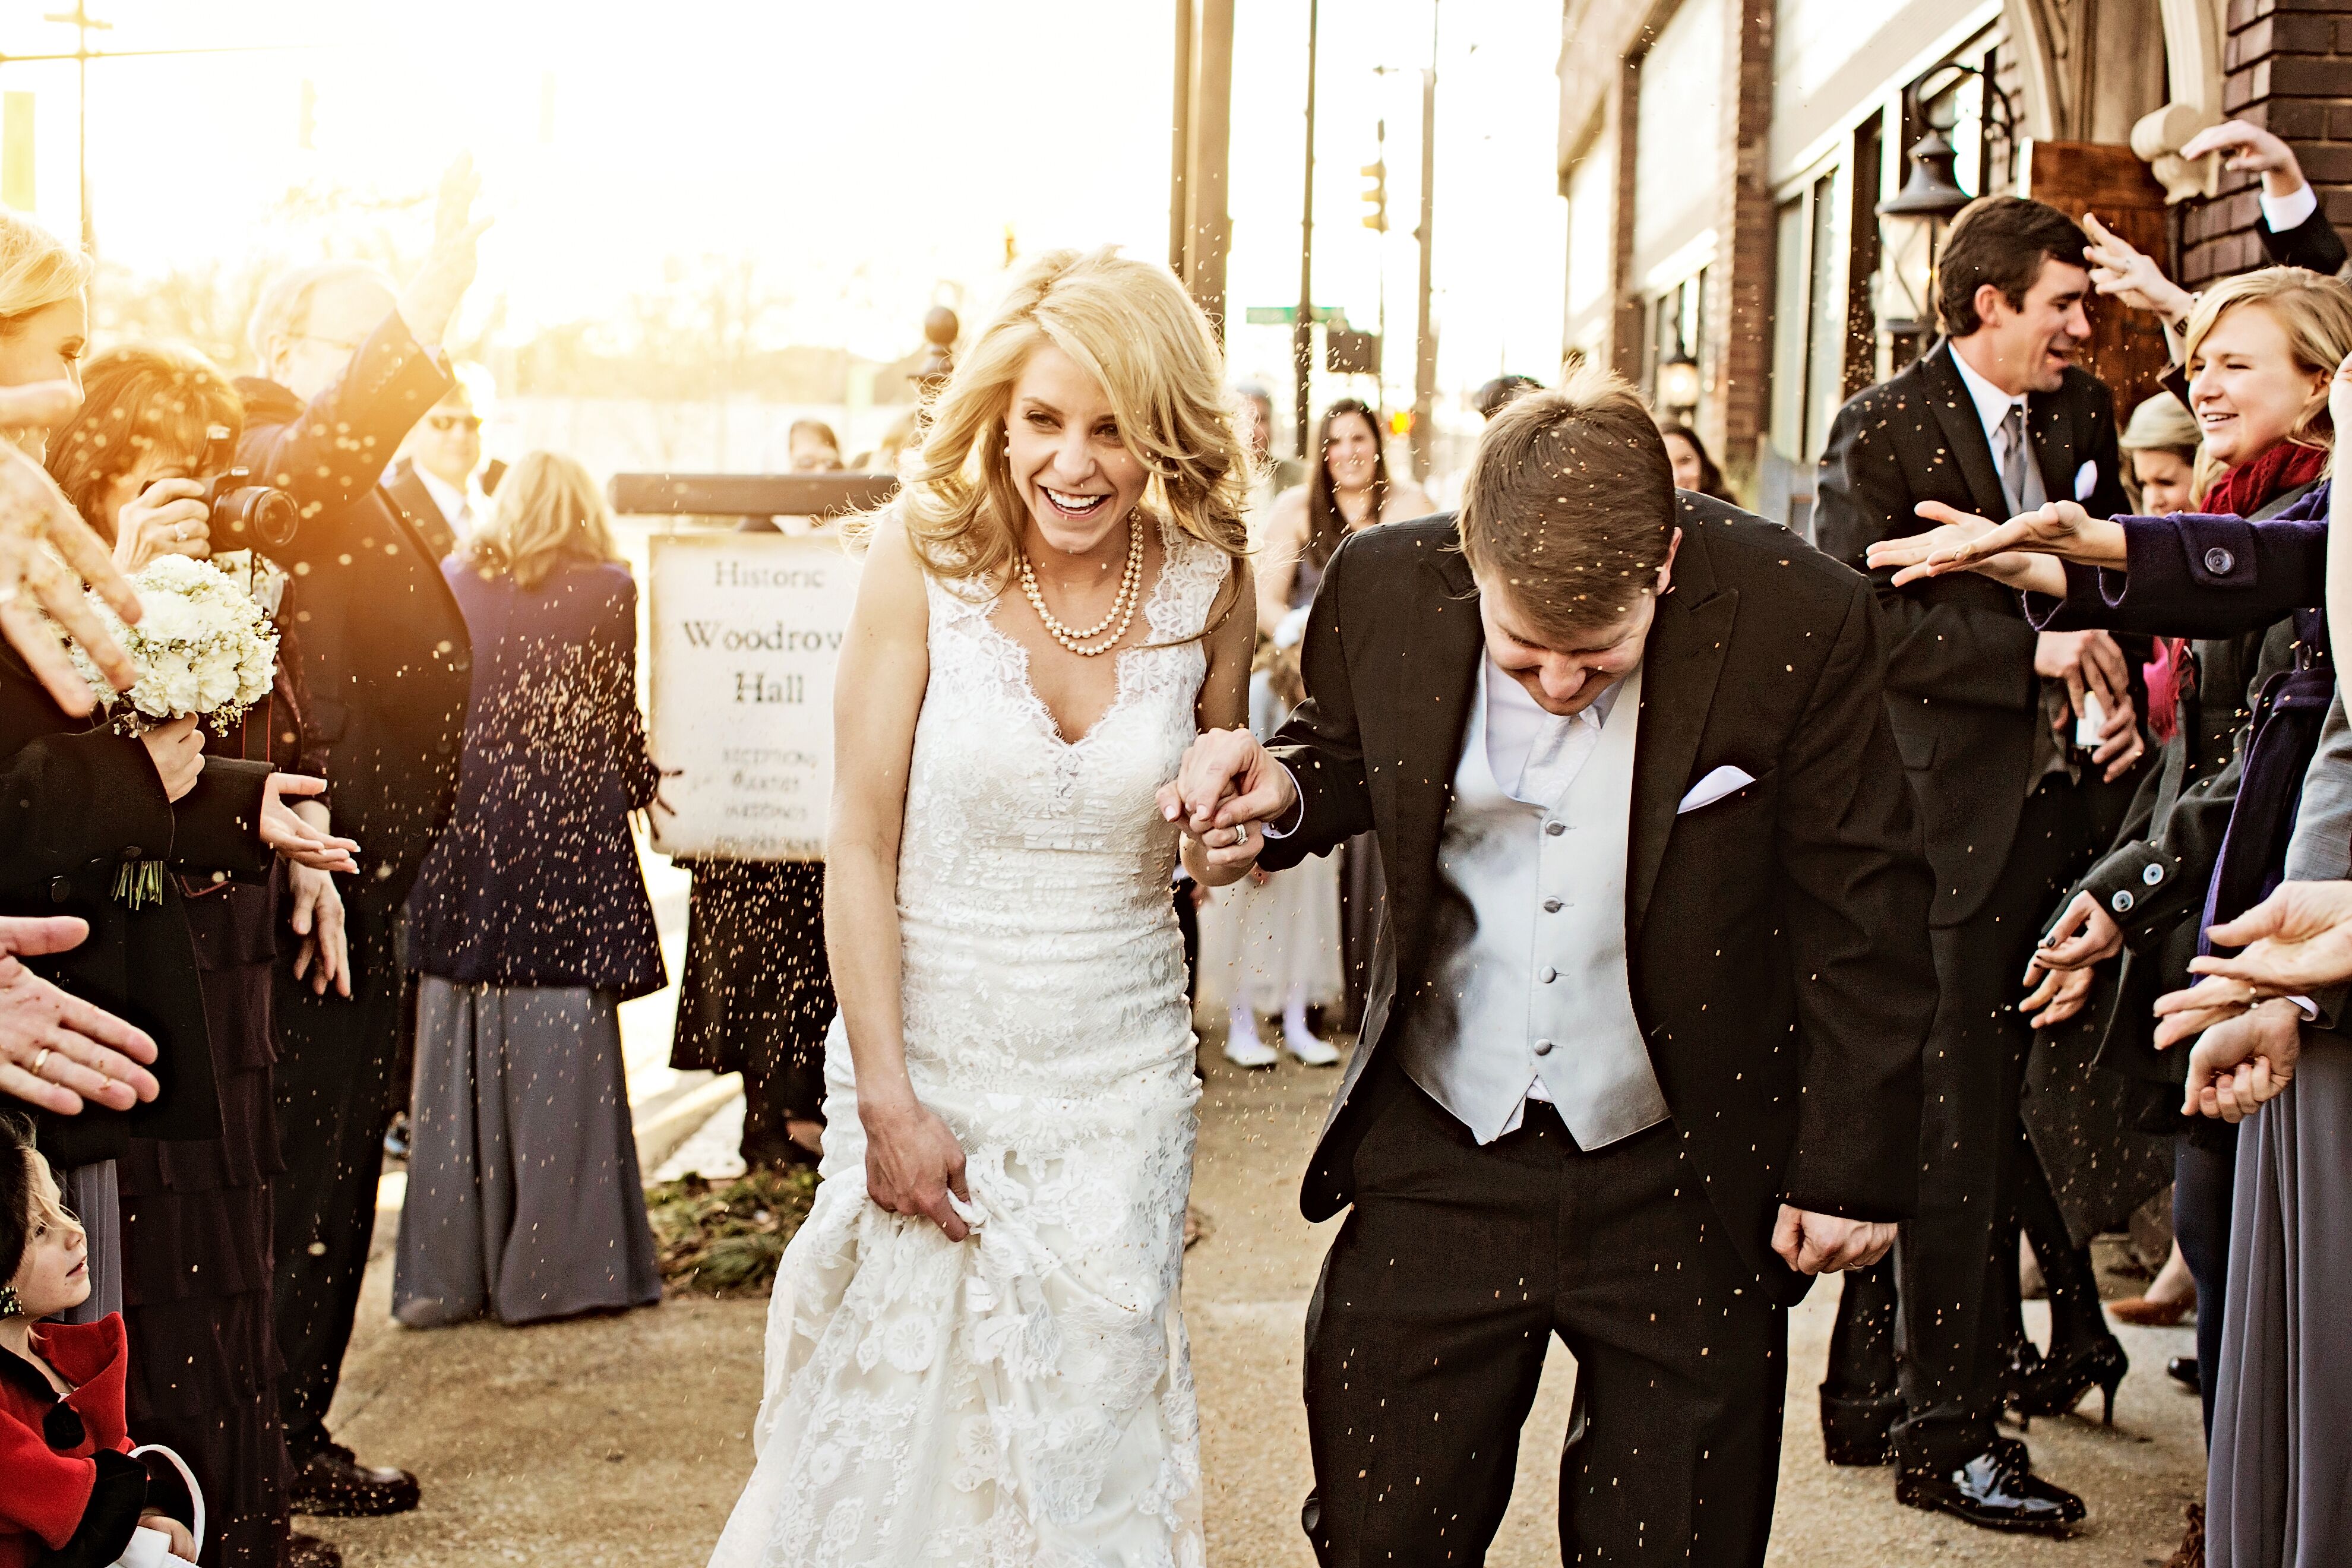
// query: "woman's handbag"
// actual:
[[152, 1548]]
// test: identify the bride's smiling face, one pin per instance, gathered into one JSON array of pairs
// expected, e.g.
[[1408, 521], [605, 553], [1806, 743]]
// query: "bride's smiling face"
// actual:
[[1062, 446]]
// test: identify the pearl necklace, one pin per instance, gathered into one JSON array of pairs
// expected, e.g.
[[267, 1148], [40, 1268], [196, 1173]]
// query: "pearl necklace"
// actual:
[[1122, 609]]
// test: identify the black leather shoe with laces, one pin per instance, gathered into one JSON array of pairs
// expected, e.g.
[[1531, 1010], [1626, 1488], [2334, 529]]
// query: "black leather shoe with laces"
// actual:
[[1997, 1490], [335, 1484]]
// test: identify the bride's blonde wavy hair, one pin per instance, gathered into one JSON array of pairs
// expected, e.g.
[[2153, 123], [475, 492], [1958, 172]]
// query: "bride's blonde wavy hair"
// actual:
[[1130, 325]]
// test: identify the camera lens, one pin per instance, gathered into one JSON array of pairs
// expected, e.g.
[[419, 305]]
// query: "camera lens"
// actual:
[[254, 514]]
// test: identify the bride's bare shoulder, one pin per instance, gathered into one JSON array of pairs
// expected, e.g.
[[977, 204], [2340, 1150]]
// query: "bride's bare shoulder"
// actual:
[[891, 598]]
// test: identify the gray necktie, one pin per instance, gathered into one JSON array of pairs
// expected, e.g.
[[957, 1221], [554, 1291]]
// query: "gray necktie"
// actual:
[[2013, 458]]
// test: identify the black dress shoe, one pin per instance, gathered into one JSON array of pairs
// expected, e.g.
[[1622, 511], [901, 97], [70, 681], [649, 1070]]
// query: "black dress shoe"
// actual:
[[309, 1552], [1997, 1490], [335, 1484], [2186, 1372]]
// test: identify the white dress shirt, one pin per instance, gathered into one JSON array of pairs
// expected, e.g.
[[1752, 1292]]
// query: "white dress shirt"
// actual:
[[2290, 211], [1536, 754], [1992, 406], [456, 505]]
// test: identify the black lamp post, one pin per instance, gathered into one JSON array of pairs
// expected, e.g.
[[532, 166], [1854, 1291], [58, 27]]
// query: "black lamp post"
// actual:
[[1910, 224]]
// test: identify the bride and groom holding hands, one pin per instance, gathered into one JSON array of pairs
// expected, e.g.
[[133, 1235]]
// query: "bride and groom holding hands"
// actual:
[[1641, 1051]]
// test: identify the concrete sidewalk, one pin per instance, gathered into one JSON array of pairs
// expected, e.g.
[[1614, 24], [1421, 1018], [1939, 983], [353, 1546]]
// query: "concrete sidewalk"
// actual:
[[623, 1440]]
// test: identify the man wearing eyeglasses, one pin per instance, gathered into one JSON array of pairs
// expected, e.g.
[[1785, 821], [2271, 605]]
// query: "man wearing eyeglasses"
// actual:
[[349, 367], [437, 482]]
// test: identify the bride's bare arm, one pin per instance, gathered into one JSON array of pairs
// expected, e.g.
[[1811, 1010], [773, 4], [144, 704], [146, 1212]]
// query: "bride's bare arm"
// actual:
[[912, 1160], [1224, 702]]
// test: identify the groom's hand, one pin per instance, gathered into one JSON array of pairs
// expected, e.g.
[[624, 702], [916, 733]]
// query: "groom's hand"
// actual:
[[1227, 778], [1813, 1243]]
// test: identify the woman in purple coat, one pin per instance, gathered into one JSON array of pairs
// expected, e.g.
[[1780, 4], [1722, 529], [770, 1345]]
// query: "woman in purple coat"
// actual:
[[531, 925]]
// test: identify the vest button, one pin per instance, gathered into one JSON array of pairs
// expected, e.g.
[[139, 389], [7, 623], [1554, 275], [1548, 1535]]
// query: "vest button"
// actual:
[[1551, 906], [1555, 828], [1543, 1047], [1546, 974], [59, 890]]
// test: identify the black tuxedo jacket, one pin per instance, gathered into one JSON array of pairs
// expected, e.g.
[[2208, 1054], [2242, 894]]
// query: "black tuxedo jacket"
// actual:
[[416, 503], [1960, 669], [1777, 940], [384, 646]]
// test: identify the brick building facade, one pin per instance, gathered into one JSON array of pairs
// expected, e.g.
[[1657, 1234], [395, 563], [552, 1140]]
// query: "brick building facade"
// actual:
[[1744, 235]]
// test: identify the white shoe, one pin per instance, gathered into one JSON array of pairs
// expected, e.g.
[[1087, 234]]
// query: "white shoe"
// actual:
[[1312, 1050], [1249, 1051]]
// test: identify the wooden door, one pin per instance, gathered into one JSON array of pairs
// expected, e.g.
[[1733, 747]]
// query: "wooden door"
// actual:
[[2128, 349]]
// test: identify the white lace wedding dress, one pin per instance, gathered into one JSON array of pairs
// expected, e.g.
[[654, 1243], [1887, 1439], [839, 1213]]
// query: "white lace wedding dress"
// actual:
[[1025, 1396]]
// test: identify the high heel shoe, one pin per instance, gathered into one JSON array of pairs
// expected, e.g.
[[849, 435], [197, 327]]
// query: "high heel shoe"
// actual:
[[2148, 1311], [2058, 1384]]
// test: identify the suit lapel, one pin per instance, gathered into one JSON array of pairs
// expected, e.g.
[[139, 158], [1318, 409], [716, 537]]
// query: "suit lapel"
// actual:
[[1955, 411], [1433, 689], [1680, 665]]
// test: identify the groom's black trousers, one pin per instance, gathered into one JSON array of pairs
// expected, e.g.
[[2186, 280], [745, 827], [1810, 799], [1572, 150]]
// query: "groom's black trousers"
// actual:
[[1428, 1330]]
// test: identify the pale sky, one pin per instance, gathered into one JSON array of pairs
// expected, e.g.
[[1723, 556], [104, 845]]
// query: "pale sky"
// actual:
[[869, 156]]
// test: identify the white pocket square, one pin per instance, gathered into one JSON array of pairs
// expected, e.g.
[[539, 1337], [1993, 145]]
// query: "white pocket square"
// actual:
[[2086, 479], [1713, 787]]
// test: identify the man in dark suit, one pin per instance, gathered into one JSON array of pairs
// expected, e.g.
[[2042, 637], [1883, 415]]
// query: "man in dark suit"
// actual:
[[349, 367], [1995, 420], [432, 480], [1640, 1054]]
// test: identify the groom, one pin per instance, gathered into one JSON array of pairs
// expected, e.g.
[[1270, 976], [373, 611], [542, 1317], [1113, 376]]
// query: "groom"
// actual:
[[1641, 1048]]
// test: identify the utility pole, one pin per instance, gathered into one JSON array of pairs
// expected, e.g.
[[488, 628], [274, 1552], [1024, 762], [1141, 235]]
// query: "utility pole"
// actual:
[[1180, 156], [1302, 330], [1424, 343], [1209, 233], [80, 19]]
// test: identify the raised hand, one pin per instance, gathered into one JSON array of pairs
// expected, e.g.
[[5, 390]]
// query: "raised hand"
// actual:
[[431, 300], [2251, 149], [2214, 1000], [2297, 940], [167, 518], [2120, 271], [1949, 548], [36, 520]]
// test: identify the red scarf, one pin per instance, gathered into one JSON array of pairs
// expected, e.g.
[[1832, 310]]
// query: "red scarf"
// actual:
[[2241, 492]]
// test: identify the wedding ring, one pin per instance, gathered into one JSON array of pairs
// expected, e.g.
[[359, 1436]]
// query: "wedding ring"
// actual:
[[180, 531], [44, 1054], [8, 593]]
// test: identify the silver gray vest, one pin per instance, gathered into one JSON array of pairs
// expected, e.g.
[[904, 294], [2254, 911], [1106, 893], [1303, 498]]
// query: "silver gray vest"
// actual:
[[1527, 983]]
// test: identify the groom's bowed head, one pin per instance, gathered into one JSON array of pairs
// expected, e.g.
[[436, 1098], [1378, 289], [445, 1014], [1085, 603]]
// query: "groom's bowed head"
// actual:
[[1568, 523]]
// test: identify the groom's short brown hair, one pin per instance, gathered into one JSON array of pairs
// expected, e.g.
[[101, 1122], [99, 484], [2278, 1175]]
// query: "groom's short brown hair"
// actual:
[[1570, 502]]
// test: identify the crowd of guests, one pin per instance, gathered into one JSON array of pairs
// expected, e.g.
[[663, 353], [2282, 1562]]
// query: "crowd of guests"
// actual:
[[2119, 713], [408, 874]]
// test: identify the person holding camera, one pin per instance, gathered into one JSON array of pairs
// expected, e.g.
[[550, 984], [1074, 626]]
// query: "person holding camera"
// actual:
[[349, 365], [146, 463]]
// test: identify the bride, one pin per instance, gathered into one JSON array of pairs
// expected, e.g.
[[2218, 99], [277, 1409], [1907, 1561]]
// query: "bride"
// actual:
[[975, 1352]]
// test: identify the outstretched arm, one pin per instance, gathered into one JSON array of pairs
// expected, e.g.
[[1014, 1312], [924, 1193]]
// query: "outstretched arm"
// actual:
[[1858, 889]]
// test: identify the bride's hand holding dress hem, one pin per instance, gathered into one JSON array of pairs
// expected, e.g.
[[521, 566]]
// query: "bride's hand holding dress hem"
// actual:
[[912, 1160]]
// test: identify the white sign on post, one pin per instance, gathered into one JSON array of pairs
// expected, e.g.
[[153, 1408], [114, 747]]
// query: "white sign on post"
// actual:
[[746, 632]]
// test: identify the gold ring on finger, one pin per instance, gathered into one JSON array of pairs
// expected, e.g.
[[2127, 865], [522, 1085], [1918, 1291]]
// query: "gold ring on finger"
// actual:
[[41, 1056]]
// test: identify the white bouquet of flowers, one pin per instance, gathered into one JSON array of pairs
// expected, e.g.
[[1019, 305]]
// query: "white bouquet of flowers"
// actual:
[[203, 649]]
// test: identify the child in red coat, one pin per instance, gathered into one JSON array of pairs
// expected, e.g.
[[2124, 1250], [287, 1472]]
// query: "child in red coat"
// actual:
[[72, 1494]]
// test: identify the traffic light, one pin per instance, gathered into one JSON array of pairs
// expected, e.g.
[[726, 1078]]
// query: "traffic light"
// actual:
[[1399, 421], [1376, 196]]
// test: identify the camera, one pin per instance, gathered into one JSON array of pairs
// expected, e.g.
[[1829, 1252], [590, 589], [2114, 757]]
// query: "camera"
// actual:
[[243, 514]]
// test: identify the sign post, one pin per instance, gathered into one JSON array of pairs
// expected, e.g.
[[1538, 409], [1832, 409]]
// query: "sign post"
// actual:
[[746, 633]]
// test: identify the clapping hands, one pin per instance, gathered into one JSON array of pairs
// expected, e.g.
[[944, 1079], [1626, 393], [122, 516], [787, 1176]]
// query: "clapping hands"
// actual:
[[2297, 941]]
